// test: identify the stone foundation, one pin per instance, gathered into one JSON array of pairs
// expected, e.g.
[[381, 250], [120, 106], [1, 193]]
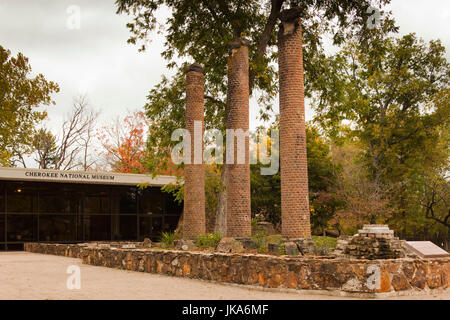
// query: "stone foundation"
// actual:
[[390, 276]]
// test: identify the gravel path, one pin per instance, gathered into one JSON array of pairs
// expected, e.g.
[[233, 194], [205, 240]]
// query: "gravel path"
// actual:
[[34, 276]]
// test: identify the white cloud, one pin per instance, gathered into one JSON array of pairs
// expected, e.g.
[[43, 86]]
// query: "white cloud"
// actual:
[[117, 78]]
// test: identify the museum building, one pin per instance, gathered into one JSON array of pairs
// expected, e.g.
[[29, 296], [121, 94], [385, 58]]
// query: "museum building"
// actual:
[[72, 206]]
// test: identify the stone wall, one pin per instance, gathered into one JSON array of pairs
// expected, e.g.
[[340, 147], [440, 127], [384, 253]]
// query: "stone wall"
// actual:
[[346, 275]]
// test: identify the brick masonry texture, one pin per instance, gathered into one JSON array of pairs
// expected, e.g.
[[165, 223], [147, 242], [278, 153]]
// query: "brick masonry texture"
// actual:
[[345, 275], [238, 175], [194, 181], [295, 214]]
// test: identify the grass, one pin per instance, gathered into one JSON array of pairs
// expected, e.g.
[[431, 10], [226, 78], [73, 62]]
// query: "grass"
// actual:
[[276, 238], [324, 245], [322, 241], [263, 241]]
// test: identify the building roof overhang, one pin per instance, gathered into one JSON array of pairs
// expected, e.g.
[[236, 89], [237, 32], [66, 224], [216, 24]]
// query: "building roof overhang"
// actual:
[[84, 177]]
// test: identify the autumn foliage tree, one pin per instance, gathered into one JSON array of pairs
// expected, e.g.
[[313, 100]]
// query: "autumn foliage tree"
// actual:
[[123, 143]]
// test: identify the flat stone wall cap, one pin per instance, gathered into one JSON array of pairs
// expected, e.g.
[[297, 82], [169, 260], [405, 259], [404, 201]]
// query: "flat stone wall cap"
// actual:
[[196, 67], [239, 42], [426, 249], [375, 226]]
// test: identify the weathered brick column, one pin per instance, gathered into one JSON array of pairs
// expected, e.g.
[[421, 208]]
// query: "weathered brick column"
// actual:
[[294, 170], [238, 172], [194, 174]]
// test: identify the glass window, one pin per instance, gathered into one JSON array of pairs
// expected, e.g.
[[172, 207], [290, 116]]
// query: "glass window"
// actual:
[[2, 227], [97, 227], [172, 206], [96, 204], [57, 227], [124, 227], [145, 228], [128, 201], [97, 199], [59, 198], [21, 197], [2, 213], [124, 200], [22, 227], [151, 202], [150, 227], [2, 196], [66, 212], [170, 222]]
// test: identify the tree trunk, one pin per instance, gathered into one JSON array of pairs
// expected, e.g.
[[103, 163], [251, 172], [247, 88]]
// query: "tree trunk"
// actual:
[[179, 227], [221, 210]]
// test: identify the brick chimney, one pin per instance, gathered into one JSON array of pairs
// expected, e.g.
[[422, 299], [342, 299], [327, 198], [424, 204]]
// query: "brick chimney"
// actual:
[[295, 215], [238, 174], [194, 174]]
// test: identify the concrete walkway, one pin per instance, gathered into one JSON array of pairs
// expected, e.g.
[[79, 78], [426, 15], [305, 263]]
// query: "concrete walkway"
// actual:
[[34, 276]]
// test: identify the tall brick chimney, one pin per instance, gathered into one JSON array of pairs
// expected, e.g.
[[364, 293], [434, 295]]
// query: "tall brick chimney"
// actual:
[[295, 215], [238, 174], [194, 174]]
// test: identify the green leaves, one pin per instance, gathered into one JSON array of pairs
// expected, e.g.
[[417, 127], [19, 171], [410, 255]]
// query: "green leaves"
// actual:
[[391, 97], [20, 100]]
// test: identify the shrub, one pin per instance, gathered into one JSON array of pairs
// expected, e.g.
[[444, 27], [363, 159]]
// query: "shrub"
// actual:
[[208, 240], [263, 241], [168, 238], [282, 249], [257, 229]]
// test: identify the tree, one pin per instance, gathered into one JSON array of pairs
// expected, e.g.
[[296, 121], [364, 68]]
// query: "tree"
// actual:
[[21, 99], [387, 95], [266, 192], [391, 97], [322, 179], [124, 143], [202, 31], [436, 199], [361, 199], [73, 148], [44, 144]]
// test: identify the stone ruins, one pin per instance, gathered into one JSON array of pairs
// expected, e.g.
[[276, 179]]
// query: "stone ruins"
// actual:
[[374, 241]]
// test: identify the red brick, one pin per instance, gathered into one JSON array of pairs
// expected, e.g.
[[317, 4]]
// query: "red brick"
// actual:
[[194, 176], [238, 175], [295, 214]]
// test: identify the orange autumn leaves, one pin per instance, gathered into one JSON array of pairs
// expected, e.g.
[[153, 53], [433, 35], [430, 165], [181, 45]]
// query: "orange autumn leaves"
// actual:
[[124, 146]]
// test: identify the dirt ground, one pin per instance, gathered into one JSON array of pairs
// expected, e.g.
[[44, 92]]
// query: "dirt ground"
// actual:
[[34, 276]]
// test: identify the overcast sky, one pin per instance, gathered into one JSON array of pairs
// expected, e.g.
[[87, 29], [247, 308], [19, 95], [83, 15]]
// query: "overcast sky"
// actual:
[[96, 59]]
